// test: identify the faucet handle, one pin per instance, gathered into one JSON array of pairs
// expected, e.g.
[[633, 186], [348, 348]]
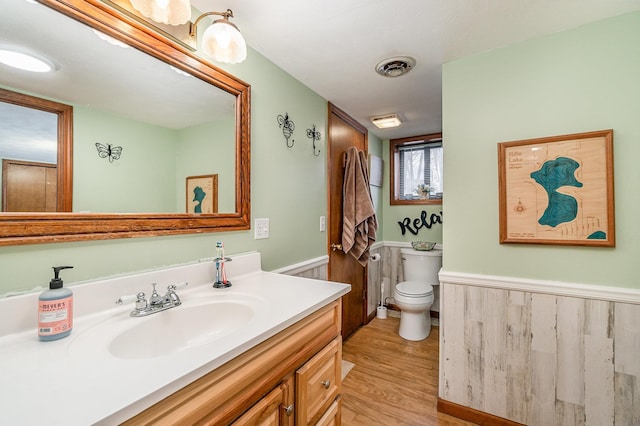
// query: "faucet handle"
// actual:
[[126, 299], [141, 301], [176, 286]]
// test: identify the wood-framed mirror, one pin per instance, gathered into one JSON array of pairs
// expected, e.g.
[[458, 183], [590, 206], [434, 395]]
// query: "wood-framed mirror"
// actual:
[[87, 219]]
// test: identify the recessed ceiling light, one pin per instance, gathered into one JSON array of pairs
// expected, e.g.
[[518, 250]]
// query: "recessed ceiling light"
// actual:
[[396, 66], [25, 61], [386, 121]]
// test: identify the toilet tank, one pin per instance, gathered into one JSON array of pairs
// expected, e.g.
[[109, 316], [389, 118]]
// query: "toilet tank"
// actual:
[[421, 266]]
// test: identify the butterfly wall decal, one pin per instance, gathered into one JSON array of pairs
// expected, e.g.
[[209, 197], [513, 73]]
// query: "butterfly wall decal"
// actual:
[[109, 151]]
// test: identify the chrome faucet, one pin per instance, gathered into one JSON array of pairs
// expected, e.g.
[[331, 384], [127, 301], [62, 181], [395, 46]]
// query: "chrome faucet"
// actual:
[[156, 303]]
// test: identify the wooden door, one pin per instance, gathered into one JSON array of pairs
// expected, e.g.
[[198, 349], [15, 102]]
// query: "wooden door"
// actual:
[[29, 186], [344, 132]]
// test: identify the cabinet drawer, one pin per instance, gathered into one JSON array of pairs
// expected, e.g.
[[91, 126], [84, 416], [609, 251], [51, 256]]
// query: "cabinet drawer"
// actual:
[[333, 415], [267, 412], [318, 383]]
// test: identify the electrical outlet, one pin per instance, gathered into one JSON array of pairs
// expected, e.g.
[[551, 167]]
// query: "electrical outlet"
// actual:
[[323, 223], [261, 228]]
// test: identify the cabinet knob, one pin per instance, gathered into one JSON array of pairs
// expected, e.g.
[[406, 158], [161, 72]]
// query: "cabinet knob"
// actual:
[[326, 383], [288, 410]]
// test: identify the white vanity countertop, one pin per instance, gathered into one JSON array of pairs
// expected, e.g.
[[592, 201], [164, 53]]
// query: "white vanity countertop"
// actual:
[[76, 381]]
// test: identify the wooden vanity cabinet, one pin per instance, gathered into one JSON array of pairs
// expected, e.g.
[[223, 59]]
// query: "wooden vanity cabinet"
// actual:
[[293, 378], [271, 410], [318, 384]]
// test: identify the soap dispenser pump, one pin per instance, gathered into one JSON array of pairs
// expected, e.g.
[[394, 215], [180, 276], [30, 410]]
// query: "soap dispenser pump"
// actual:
[[55, 309]]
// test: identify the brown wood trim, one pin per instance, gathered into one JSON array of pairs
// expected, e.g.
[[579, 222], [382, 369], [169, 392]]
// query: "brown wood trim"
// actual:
[[472, 415], [333, 109]]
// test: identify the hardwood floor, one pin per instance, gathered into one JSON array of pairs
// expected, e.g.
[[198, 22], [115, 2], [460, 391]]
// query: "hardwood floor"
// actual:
[[394, 381]]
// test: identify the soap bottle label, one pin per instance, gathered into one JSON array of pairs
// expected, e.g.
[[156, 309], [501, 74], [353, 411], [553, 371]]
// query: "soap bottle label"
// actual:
[[55, 316]]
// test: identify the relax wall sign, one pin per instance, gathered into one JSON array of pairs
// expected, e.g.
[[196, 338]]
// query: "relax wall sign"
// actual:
[[424, 221]]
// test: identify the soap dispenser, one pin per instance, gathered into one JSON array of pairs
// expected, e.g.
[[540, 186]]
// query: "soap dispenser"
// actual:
[[55, 309]]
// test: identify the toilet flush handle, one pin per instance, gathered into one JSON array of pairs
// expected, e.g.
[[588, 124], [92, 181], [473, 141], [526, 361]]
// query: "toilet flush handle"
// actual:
[[335, 247]]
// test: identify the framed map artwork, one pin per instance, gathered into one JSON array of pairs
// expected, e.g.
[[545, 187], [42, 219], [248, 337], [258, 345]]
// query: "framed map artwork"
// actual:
[[202, 194], [557, 190]]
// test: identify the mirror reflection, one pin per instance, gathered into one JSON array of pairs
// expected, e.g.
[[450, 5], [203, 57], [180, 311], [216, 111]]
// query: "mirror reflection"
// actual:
[[168, 124], [29, 153]]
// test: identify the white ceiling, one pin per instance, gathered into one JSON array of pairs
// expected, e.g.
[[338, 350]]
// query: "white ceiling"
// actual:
[[332, 46]]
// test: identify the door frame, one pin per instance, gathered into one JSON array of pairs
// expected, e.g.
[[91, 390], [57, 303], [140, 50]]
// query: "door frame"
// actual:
[[333, 109]]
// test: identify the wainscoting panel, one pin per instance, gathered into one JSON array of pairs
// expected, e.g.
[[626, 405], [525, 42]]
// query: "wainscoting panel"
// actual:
[[312, 268], [538, 358], [389, 270], [374, 278]]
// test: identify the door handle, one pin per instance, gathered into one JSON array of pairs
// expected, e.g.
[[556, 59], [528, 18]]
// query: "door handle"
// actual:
[[335, 247]]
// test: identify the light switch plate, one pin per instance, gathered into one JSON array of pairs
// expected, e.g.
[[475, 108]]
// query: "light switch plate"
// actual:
[[323, 223], [261, 228]]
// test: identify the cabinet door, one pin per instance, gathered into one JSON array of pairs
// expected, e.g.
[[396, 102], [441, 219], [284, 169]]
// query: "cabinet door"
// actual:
[[318, 383], [275, 409], [333, 415], [266, 412]]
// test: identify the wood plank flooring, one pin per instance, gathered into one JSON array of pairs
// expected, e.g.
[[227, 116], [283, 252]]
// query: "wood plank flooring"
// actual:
[[394, 381]]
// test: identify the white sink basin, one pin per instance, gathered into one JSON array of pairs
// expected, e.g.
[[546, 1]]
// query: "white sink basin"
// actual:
[[180, 328], [195, 323]]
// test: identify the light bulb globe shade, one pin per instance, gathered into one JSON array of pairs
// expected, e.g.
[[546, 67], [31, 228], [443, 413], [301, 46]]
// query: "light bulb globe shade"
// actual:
[[223, 42], [171, 12]]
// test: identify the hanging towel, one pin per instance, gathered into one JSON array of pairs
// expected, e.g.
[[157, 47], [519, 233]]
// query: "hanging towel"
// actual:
[[359, 223]]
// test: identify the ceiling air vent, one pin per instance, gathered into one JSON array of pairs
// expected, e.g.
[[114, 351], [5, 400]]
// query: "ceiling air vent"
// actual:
[[396, 66]]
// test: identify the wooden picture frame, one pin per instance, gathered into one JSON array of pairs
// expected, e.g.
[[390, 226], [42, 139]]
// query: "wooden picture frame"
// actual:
[[557, 190], [202, 194]]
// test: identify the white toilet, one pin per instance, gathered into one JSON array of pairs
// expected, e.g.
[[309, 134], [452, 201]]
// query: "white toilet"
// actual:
[[414, 296]]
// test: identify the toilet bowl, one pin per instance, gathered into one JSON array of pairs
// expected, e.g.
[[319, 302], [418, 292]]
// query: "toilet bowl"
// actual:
[[414, 296]]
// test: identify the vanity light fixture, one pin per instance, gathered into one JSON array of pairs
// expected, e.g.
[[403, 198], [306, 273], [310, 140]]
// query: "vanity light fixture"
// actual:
[[171, 12], [26, 61], [386, 121], [222, 40]]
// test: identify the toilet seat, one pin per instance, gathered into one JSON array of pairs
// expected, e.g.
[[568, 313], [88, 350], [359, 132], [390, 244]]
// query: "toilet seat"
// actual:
[[414, 289]]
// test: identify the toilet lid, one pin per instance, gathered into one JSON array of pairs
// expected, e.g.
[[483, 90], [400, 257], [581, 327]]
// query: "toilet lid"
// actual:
[[414, 289]]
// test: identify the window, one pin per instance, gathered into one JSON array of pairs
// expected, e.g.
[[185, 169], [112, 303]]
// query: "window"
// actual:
[[415, 162]]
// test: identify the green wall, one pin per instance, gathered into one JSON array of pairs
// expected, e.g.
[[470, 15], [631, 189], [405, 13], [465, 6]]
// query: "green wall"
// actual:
[[127, 184], [207, 149], [393, 214], [576, 81], [288, 186]]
